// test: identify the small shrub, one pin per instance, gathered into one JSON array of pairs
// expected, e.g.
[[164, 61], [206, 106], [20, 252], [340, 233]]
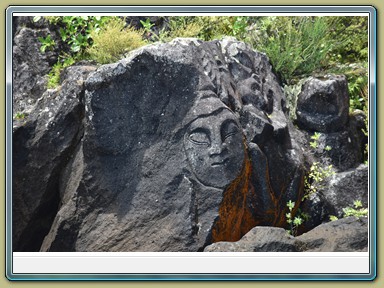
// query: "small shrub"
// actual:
[[54, 74], [294, 45], [182, 28], [295, 221], [316, 178], [351, 34], [205, 27], [356, 211], [357, 77], [46, 43], [113, 41], [74, 31]]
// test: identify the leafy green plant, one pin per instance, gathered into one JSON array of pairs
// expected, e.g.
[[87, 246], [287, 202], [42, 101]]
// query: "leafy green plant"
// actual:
[[318, 148], [315, 143], [316, 178], [294, 221], [54, 74], [185, 27], [239, 26], [351, 33], [357, 211], [77, 30], [46, 43], [147, 25], [327, 148], [113, 41], [19, 116], [333, 218], [206, 27]]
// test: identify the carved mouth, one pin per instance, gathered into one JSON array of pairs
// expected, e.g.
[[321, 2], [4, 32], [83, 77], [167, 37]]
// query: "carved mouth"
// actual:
[[220, 163]]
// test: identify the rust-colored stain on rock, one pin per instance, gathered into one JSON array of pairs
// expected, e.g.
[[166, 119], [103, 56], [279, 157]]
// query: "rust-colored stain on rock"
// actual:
[[239, 211]]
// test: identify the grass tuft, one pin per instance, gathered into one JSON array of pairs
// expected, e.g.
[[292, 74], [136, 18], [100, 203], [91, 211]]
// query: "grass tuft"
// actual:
[[113, 41]]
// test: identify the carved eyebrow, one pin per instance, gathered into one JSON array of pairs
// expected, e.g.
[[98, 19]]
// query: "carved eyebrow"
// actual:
[[200, 130], [227, 125], [227, 122]]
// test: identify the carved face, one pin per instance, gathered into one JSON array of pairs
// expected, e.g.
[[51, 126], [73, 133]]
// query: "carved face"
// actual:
[[215, 149]]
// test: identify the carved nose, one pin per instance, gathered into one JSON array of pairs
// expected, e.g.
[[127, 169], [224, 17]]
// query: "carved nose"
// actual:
[[216, 148]]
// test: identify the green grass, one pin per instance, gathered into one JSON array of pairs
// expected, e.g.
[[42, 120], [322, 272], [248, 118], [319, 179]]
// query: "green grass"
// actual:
[[113, 41]]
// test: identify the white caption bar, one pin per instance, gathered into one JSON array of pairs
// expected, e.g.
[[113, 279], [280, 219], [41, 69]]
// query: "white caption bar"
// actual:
[[179, 262]]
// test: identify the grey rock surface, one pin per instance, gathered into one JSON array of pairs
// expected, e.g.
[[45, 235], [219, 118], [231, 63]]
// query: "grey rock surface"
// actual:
[[30, 67], [323, 104], [344, 188], [43, 143], [339, 192], [344, 235], [259, 239], [166, 157]]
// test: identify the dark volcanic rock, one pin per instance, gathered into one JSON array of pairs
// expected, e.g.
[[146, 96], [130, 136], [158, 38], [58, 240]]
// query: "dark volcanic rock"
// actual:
[[344, 235], [344, 188], [43, 144], [340, 191], [170, 154], [30, 67], [323, 104], [178, 146], [259, 239], [348, 144]]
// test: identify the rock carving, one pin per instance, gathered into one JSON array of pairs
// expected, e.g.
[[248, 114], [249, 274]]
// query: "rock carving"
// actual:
[[214, 143], [175, 147]]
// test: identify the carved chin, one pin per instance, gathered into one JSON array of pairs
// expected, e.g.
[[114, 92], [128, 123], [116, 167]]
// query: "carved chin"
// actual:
[[218, 174]]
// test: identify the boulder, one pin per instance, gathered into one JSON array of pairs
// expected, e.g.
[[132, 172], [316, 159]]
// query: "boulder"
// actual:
[[43, 143], [30, 67], [346, 149], [337, 192], [168, 158], [259, 239], [323, 104], [344, 188], [344, 235]]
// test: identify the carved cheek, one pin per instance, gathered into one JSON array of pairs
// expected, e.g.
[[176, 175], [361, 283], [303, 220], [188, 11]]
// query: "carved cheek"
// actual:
[[197, 154], [236, 149]]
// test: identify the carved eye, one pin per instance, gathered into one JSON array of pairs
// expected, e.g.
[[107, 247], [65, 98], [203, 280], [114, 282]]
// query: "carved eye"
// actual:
[[229, 129], [199, 137]]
